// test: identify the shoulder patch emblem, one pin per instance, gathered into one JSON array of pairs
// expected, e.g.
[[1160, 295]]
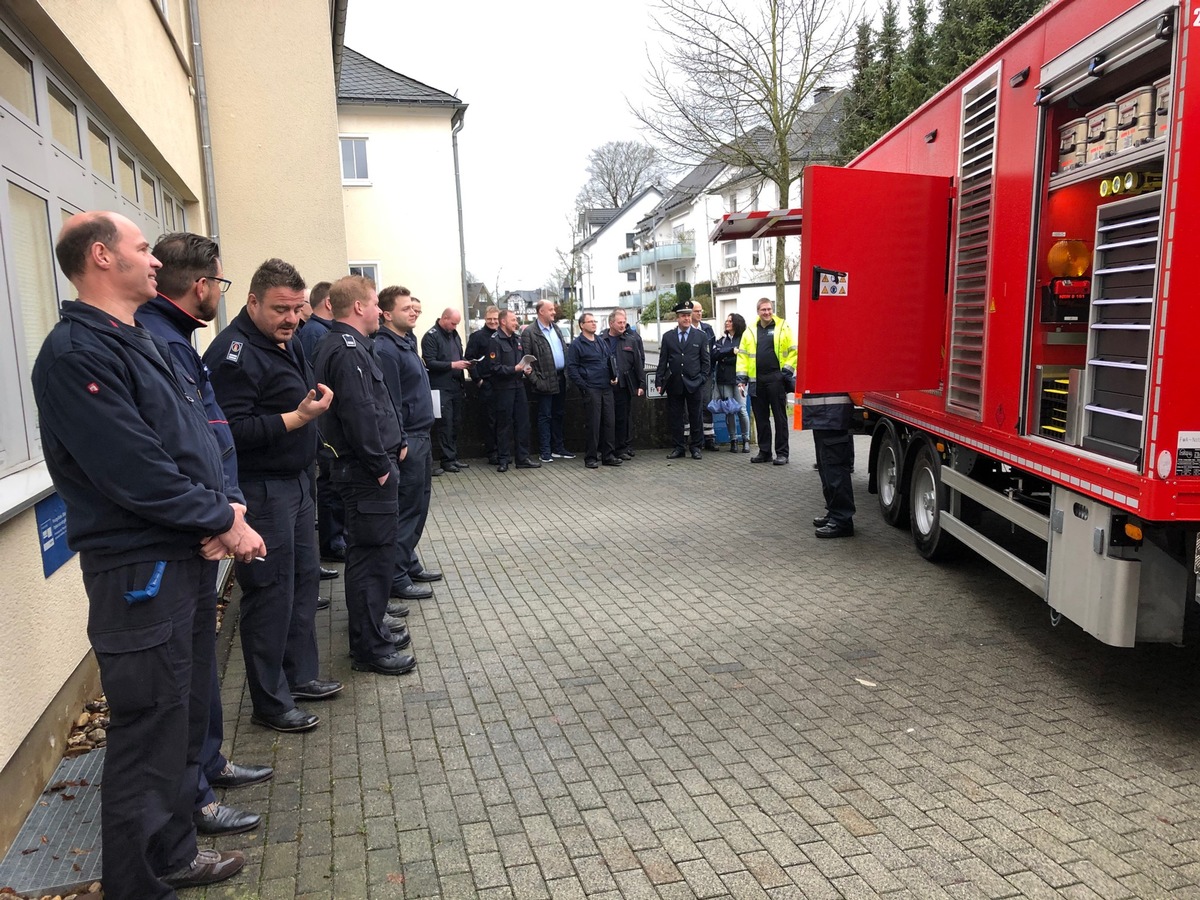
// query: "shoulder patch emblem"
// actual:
[[491, 356], [235, 351], [349, 340]]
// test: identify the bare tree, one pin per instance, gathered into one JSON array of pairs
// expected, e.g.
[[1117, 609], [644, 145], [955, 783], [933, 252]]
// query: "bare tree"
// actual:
[[617, 172], [729, 85]]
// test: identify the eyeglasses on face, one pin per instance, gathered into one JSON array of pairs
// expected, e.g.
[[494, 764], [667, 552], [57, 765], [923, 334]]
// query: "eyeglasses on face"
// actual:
[[223, 282]]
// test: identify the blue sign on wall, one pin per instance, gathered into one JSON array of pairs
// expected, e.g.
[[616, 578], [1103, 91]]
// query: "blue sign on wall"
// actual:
[[51, 515]]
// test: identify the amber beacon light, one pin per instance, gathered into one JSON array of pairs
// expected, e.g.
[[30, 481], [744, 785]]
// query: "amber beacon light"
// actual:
[[1069, 259]]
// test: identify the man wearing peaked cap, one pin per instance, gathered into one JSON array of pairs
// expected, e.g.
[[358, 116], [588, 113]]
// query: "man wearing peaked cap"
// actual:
[[683, 364]]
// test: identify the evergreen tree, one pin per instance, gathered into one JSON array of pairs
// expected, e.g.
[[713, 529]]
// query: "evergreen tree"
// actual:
[[858, 116], [888, 62], [915, 82]]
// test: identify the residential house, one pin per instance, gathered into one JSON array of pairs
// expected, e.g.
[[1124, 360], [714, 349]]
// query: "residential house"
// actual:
[[524, 303], [479, 298], [400, 183], [672, 243], [607, 233], [177, 123]]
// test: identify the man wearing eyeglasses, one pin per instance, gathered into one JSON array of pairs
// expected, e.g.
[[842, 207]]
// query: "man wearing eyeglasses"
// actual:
[[265, 385], [189, 291]]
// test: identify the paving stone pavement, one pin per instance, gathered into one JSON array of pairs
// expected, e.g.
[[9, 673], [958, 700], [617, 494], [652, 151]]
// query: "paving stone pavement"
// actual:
[[654, 682]]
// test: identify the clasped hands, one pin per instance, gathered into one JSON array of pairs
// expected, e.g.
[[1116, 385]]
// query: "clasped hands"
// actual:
[[240, 542]]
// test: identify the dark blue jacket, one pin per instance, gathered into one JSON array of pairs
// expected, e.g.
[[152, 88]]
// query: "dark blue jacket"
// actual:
[[361, 425], [503, 352], [128, 447], [175, 326], [311, 334], [406, 379], [587, 363], [256, 381]]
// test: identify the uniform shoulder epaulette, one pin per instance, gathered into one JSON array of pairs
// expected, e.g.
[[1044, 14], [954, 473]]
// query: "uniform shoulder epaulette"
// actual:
[[349, 340]]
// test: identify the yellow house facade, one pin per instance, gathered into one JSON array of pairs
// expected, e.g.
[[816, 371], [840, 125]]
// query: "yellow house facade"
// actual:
[[214, 116]]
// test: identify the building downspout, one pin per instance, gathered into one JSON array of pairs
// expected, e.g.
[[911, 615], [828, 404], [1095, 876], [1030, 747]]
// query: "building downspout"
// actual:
[[458, 121], [206, 156]]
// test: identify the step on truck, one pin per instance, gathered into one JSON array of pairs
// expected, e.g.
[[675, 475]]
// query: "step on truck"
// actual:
[[1012, 276]]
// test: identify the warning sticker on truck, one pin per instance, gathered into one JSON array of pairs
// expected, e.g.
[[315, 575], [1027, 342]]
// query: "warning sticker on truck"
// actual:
[[1187, 453], [834, 284]]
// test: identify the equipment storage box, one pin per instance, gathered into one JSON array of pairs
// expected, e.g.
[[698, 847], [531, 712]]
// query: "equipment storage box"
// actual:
[[1135, 118], [1162, 106], [1072, 144], [1102, 132]]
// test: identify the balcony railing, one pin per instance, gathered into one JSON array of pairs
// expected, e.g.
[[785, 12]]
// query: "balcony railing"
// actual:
[[635, 259]]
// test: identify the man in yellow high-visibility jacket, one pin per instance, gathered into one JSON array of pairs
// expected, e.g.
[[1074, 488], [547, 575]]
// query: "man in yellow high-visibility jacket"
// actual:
[[766, 365]]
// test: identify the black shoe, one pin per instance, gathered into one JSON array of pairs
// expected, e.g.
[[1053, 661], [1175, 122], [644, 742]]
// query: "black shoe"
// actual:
[[235, 776], [503, 467], [592, 464], [493, 460], [394, 624], [462, 465], [333, 554], [696, 453], [426, 575], [215, 819], [625, 455], [402, 639], [392, 664], [412, 592], [733, 446], [289, 722], [820, 521], [209, 867], [528, 463], [451, 467], [676, 454], [761, 458], [396, 608], [780, 461], [710, 444], [745, 446], [438, 471], [316, 690], [322, 603], [613, 461], [329, 574], [835, 531]]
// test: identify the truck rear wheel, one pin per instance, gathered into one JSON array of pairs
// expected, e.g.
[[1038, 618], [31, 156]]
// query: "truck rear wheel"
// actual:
[[893, 501], [928, 497]]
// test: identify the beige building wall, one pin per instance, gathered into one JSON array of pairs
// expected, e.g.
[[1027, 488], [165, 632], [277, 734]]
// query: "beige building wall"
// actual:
[[406, 219], [278, 186], [145, 94], [44, 637], [144, 87], [269, 68]]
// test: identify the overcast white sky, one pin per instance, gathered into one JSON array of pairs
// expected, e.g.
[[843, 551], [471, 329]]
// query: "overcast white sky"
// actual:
[[546, 82]]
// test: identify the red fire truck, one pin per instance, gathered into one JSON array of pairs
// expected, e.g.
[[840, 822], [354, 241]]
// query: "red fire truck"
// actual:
[[998, 273]]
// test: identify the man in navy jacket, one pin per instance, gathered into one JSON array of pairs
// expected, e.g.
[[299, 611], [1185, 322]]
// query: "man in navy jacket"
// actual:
[[146, 512], [591, 368], [189, 291]]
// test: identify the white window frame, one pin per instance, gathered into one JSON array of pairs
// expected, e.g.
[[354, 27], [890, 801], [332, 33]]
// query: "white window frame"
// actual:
[[729, 254], [361, 264], [32, 159], [756, 252], [342, 138]]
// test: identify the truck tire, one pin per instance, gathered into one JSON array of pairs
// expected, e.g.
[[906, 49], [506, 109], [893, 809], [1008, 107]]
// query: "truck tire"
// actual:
[[928, 497], [889, 482]]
